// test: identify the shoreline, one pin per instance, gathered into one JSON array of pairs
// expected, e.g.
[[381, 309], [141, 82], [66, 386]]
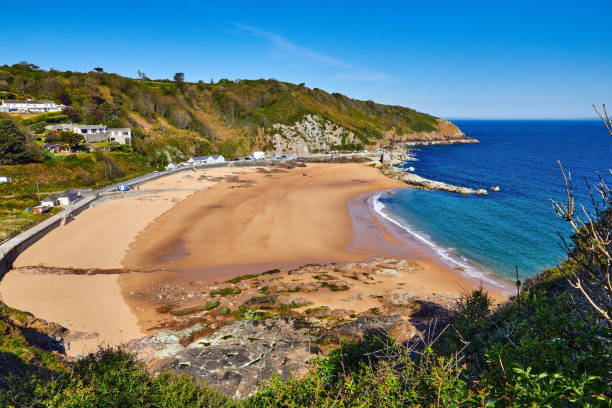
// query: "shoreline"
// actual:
[[246, 222], [461, 266]]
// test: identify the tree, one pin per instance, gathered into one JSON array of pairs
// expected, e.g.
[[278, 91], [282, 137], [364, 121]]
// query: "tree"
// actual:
[[179, 77], [589, 265], [98, 69], [72, 114], [71, 139], [64, 98], [142, 75], [15, 146], [180, 118]]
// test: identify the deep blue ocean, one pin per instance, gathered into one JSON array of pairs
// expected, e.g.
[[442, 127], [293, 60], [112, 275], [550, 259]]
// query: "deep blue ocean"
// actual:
[[517, 225]]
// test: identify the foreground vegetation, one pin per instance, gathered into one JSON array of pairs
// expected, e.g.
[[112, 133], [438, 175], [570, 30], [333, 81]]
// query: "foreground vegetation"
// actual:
[[545, 348]]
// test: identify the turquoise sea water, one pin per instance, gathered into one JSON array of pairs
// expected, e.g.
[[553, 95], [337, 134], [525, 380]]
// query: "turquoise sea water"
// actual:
[[517, 225]]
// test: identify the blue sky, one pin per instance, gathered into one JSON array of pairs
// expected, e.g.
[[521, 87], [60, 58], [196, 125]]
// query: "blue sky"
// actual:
[[523, 59]]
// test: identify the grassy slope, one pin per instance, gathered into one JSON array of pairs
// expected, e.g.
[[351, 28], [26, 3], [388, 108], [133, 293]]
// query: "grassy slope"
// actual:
[[220, 117]]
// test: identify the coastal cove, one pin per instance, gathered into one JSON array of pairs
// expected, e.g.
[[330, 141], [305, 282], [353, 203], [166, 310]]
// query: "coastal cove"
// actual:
[[211, 226], [517, 225]]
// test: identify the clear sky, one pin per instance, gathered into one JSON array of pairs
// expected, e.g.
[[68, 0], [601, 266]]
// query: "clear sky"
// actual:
[[456, 59]]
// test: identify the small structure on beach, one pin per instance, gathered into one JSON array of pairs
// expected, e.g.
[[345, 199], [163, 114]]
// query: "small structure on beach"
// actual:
[[124, 187], [40, 209], [201, 160], [68, 197], [50, 201], [5, 179]]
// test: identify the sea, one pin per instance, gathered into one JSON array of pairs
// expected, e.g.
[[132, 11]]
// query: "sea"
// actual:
[[516, 227]]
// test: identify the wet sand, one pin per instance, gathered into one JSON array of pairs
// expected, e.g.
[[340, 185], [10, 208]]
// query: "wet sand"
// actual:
[[298, 216]]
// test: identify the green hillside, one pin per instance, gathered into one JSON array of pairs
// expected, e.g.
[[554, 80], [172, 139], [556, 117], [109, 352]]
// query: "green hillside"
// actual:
[[178, 119]]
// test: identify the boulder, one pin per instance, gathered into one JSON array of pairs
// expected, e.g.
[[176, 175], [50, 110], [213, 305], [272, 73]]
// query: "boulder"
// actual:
[[391, 326], [275, 301], [239, 356], [388, 272]]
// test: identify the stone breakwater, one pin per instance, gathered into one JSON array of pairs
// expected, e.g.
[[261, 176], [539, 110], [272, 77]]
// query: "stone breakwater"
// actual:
[[415, 181]]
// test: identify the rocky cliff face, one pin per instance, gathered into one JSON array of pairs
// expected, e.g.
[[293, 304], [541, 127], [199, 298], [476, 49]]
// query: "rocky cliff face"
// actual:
[[447, 133], [311, 134], [315, 134]]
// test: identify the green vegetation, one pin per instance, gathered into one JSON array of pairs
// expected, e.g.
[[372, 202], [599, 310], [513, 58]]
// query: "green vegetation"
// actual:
[[539, 350], [211, 305], [16, 144], [14, 215], [225, 291], [252, 276], [180, 119]]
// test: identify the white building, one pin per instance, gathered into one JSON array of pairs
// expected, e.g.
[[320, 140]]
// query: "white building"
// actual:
[[96, 133], [67, 197], [5, 179], [198, 161], [171, 166], [258, 155], [30, 106], [120, 135], [50, 201]]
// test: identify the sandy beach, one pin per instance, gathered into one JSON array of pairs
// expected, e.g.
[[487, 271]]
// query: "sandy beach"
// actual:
[[210, 226]]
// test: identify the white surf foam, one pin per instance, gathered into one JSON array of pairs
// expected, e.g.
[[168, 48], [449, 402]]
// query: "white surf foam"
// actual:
[[445, 254]]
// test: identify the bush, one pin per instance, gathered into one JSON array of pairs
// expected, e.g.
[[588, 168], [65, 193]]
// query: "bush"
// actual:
[[112, 378]]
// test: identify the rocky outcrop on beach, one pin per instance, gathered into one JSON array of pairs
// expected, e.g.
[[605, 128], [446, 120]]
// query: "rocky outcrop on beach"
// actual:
[[238, 333], [416, 181]]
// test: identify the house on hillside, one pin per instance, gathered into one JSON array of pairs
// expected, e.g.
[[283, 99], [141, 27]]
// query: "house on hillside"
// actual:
[[50, 201], [29, 106], [201, 160], [95, 133], [5, 179], [55, 148], [68, 197], [120, 135]]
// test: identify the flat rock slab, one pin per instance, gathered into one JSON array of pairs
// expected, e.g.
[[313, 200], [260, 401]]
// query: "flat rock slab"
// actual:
[[238, 357]]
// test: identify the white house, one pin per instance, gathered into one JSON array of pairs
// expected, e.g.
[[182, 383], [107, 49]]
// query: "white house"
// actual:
[[68, 197], [88, 129], [29, 106], [50, 201], [198, 161], [171, 166], [96, 133], [120, 135], [258, 155], [5, 179]]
